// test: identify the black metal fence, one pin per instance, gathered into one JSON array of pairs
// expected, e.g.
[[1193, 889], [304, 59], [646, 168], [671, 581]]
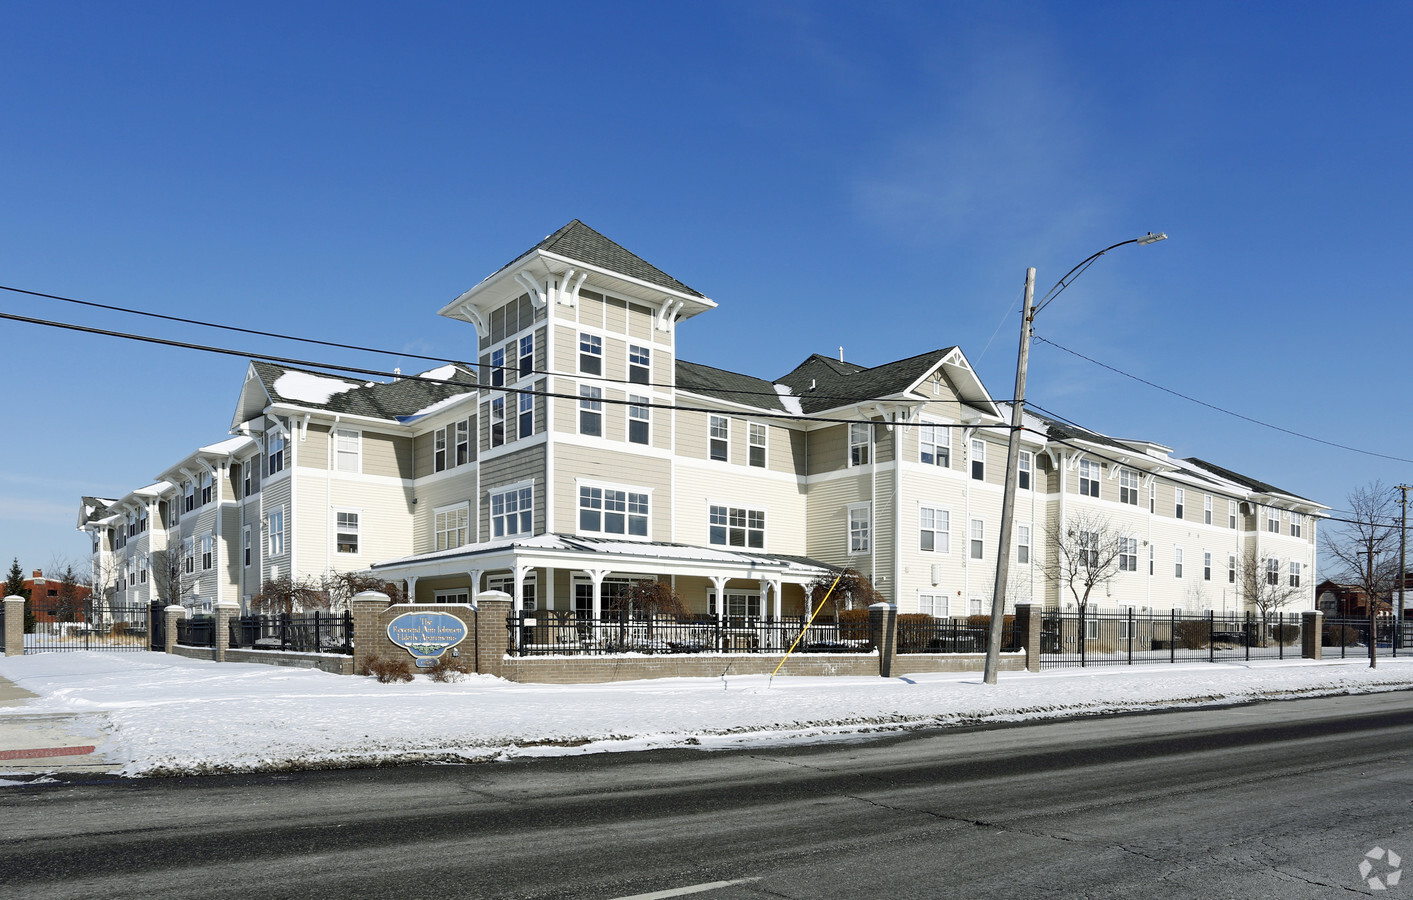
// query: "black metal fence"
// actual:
[[316, 632], [925, 634], [1087, 638], [157, 626], [566, 633], [1345, 637], [92, 624], [198, 631]]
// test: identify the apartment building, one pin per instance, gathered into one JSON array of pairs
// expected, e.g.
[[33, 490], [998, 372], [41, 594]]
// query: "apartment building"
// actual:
[[583, 454]]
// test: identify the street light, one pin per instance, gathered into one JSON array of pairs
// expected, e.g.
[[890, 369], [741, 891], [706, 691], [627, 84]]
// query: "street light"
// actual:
[[1003, 555]]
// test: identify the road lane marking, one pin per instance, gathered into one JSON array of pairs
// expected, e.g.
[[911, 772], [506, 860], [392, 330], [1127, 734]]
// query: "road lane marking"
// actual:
[[691, 889]]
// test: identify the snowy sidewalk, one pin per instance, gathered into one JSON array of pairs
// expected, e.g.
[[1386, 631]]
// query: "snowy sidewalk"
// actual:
[[149, 713]]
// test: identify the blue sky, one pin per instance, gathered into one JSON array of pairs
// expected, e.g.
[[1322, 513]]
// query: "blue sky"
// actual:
[[877, 179]]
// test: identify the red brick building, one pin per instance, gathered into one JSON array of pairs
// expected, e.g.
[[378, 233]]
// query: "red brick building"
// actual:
[[47, 602]]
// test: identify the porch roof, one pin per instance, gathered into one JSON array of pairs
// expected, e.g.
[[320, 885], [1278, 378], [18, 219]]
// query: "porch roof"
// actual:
[[566, 551]]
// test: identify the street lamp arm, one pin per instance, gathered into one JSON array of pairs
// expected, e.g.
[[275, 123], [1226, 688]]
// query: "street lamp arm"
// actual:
[[1072, 274]]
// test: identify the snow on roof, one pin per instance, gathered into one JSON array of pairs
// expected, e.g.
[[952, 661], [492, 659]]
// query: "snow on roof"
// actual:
[[302, 387], [153, 490], [230, 445], [440, 373], [440, 405], [789, 400]]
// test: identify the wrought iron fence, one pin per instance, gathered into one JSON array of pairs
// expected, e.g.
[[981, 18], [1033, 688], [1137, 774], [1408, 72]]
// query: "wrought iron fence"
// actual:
[[1349, 637], [925, 634], [565, 632], [1087, 638], [91, 624], [198, 631], [316, 632], [157, 626]]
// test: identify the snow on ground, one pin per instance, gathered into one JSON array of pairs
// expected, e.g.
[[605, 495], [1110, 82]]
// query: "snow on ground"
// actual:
[[160, 714]]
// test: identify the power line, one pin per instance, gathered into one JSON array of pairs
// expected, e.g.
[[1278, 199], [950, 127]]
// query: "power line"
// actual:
[[1220, 409]]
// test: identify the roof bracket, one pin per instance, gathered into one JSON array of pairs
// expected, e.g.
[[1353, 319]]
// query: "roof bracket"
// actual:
[[667, 314], [566, 295], [537, 293]]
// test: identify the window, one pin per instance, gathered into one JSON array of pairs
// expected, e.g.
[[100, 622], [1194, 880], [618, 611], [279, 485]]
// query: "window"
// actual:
[[527, 355], [1273, 521], [498, 367], [1024, 462], [860, 434], [506, 583], [277, 453], [462, 452], [346, 532], [1153, 496], [439, 450], [934, 530], [1023, 544], [245, 546], [205, 488], [1088, 549], [1128, 554], [719, 438], [859, 522], [207, 552], [1231, 568], [275, 528], [935, 445], [1179, 500], [1206, 566], [1177, 562], [590, 354], [734, 526], [189, 556], [1295, 574], [978, 459], [245, 470], [450, 597], [511, 512], [1150, 560], [1231, 513], [611, 511], [1128, 487], [449, 527], [1088, 478], [190, 496], [142, 566], [738, 605], [1207, 509], [978, 538], [527, 416], [934, 605], [1295, 527], [756, 451], [132, 577], [1273, 571], [591, 411], [498, 419], [639, 364], [639, 420], [347, 450]]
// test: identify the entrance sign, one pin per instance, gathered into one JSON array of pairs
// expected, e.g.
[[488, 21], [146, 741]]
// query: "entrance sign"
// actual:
[[426, 634]]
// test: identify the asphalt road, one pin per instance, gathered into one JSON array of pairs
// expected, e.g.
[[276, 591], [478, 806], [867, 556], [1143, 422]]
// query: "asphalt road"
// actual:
[[1269, 800]]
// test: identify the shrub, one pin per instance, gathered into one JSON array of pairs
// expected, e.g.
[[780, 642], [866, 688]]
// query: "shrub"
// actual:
[[1340, 636], [853, 624], [1192, 634], [914, 632], [1286, 634], [448, 668], [388, 671]]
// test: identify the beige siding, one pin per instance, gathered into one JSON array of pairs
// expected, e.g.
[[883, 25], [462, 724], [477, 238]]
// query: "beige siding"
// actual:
[[699, 485], [313, 450], [512, 468], [829, 449], [443, 492], [612, 468]]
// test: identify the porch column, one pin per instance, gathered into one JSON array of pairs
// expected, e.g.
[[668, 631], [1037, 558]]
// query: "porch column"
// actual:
[[775, 600], [547, 589], [718, 582], [518, 602], [411, 582], [596, 576], [475, 576]]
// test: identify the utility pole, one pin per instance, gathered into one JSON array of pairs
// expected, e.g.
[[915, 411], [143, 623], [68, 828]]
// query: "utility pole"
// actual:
[[1008, 502], [1402, 563]]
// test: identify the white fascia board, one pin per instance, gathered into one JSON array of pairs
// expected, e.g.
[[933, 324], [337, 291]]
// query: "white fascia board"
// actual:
[[778, 416], [647, 286], [250, 377], [368, 423]]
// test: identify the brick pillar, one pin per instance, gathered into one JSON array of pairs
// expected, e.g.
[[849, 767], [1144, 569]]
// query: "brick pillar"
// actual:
[[367, 607], [225, 611], [883, 634], [1028, 633], [173, 614], [490, 639], [14, 625], [1312, 634]]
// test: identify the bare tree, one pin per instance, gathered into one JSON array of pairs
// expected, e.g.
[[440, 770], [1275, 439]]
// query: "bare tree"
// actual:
[[1365, 548], [1085, 552], [286, 594], [653, 598], [341, 587], [70, 604], [174, 575], [1264, 586], [853, 590]]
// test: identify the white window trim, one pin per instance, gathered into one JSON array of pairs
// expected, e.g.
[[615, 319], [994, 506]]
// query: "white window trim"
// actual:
[[614, 486], [866, 532], [942, 438], [463, 508], [490, 507], [644, 403], [945, 534], [338, 454], [271, 533], [711, 438], [764, 445], [729, 505], [357, 530], [866, 444]]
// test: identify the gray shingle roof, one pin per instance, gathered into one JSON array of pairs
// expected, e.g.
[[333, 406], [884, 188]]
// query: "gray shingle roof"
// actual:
[[823, 383], [579, 242], [729, 386], [379, 399], [1245, 480]]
